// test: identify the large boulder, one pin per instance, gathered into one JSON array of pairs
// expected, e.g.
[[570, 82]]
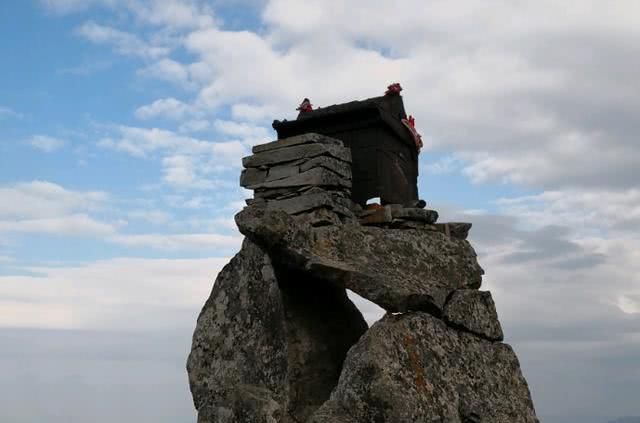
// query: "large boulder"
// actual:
[[269, 343], [400, 270], [412, 368]]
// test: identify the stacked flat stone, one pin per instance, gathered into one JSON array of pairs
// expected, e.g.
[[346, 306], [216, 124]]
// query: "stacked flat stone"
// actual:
[[308, 176]]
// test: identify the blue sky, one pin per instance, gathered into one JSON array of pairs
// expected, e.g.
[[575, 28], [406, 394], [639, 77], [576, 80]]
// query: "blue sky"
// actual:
[[123, 125]]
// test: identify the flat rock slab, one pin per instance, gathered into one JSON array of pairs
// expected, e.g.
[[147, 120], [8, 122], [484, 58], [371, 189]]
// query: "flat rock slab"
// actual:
[[307, 202], [338, 166], [252, 176], [307, 138], [414, 368], [269, 344], [475, 312], [297, 152], [420, 215], [397, 269], [319, 177]]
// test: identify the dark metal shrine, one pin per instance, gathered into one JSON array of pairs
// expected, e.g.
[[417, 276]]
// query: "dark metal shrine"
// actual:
[[384, 151]]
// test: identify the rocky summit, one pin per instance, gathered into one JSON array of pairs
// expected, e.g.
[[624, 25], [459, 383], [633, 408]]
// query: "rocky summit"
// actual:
[[279, 341]]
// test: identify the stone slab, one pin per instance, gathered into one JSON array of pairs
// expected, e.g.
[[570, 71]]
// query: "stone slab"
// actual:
[[281, 172], [252, 176], [319, 177], [422, 215], [397, 269], [297, 152], [338, 166], [296, 140]]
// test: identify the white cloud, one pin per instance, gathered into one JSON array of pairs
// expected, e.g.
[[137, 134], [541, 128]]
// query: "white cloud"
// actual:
[[197, 125], [169, 70], [168, 108], [123, 42], [486, 82], [71, 225], [44, 199], [444, 165], [6, 112], [256, 134], [155, 217], [46, 143], [187, 162], [252, 113], [125, 293], [178, 242], [45, 207], [179, 170], [174, 13], [582, 210]]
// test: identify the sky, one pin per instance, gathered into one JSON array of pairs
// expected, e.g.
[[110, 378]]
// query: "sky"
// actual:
[[123, 125]]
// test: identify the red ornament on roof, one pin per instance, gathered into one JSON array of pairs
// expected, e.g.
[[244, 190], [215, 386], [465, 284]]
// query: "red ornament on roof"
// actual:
[[305, 106], [393, 89], [410, 124]]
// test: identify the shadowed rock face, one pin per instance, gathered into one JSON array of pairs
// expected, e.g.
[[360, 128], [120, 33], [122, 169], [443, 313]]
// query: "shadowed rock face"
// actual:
[[269, 343]]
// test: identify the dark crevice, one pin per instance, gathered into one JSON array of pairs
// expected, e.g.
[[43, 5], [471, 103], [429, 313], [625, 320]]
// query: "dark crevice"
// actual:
[[321, 325]]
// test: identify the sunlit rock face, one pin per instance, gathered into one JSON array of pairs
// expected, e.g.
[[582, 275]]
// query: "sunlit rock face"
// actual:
[[278, 340]]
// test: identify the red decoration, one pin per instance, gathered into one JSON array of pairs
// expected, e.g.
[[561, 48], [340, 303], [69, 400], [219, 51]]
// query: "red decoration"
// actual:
[[393, 89], [305, 106], [411, 126]]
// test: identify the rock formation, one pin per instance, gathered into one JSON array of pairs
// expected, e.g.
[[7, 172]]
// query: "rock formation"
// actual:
[[279, 341]]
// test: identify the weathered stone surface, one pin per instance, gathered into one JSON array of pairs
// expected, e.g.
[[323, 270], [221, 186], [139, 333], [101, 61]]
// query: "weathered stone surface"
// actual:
[[297, 140], [319, 217], [475, 312], [398, 270], [341, 168], [305, 151], [269, 344], [280, 172], [411, 224], [422, 215], [310, 200], [319, 177], [413, 368], [252, 176], [242, 322], [455, 229], [301, 203]]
